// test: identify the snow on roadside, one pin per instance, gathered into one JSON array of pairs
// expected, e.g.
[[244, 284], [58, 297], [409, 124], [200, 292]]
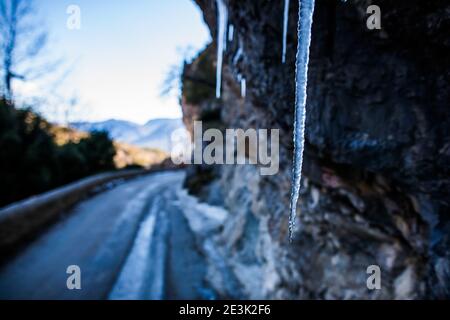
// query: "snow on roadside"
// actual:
[[202, 218], [207, 222]]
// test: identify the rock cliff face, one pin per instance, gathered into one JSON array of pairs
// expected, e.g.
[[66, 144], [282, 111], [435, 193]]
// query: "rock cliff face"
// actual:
[[377, 169]]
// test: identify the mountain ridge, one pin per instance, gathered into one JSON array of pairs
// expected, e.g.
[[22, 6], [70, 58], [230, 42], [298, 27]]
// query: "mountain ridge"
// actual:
[[155, 133]]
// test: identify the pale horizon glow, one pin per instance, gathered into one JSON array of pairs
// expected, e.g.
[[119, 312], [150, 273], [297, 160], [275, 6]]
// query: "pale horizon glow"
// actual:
[[122, 54]]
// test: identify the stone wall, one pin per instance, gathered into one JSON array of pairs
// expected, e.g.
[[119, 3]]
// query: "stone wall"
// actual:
[[376, 174]]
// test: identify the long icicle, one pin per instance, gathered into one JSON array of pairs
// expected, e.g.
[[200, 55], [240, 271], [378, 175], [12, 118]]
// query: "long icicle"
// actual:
[[285, 27], [222, 22], [306, 11]]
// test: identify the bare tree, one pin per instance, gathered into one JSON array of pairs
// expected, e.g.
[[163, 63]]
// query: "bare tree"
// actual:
[[21, 43]]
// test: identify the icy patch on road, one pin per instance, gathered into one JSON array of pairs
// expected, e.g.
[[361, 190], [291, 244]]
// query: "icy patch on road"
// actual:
[[129, 284], [142, 277]]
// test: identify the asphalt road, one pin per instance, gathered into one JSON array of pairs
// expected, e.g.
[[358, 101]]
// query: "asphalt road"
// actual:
[[130, 242]]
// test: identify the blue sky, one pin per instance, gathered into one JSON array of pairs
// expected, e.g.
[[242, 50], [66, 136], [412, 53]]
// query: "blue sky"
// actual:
[[123, 52]]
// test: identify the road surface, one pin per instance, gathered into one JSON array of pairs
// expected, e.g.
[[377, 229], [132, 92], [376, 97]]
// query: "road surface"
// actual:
[[130, 242]]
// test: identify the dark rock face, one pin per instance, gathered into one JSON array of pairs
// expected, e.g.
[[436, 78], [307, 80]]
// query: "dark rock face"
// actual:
[[377, 168]]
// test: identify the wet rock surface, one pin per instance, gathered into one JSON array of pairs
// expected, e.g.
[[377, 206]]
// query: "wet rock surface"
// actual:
[[376, 186]]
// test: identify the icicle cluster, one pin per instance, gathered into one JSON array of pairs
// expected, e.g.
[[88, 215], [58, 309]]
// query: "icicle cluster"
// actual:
[[285, 27], [306, 11], [221, 43]]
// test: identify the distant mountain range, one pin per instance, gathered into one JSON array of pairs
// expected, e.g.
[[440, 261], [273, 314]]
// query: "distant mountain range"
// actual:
[[154, 134]]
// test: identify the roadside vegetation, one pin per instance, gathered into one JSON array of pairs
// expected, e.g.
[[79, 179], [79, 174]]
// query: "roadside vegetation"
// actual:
[[31, 161]]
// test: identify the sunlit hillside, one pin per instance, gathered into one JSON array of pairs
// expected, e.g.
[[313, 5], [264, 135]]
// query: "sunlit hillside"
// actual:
[[127, 155]]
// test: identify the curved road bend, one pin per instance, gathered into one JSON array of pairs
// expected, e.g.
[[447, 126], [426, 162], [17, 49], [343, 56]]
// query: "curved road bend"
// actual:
[[130, 242]]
